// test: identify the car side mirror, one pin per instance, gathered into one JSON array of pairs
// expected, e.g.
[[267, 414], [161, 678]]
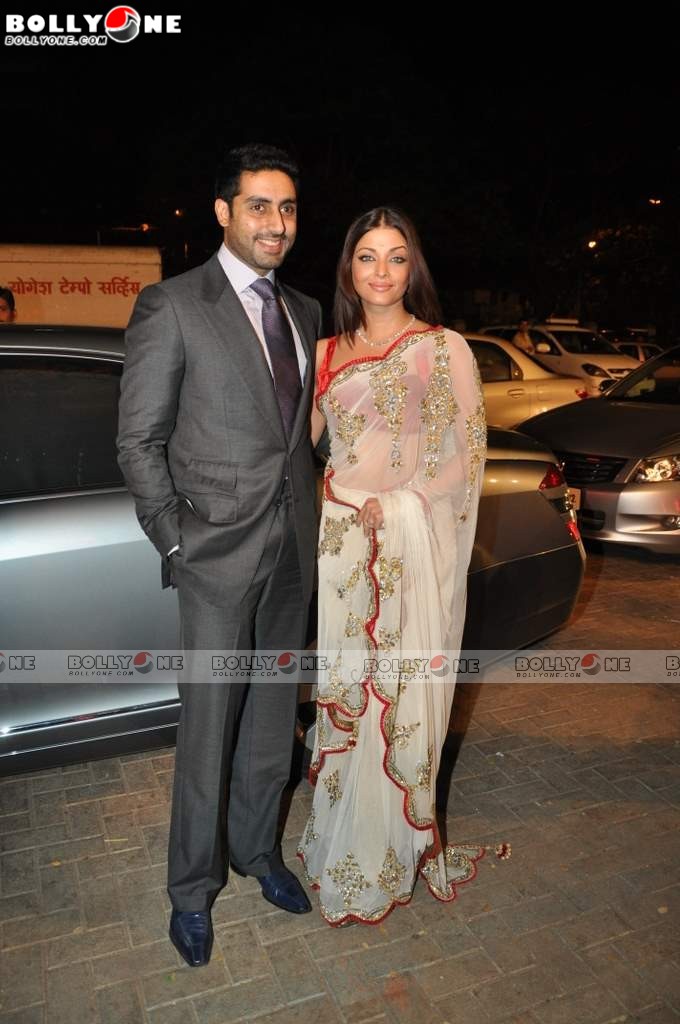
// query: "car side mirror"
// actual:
[[542, 347]]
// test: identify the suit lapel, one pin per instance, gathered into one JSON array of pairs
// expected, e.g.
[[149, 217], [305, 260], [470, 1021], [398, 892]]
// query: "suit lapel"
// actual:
[[232, 325]]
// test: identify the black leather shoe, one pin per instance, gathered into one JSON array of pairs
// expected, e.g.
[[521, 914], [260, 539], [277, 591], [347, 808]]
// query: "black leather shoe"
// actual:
[[282, 888], [191, 934]]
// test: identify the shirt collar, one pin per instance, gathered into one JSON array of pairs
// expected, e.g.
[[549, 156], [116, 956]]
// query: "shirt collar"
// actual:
[[239, 274]]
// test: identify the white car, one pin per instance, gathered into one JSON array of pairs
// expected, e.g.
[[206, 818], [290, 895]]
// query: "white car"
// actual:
[[515, 385], [564, 347], [640, 350]]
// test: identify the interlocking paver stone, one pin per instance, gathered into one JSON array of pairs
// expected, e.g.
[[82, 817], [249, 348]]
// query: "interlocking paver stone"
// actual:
[[119, 1004], [85, 944], [58, 887], [168, 986], [21, 978], [244, 957], [229, 1004], [70, 995], [456, 973], [26, 1015], [297, 974], [593, 1005]]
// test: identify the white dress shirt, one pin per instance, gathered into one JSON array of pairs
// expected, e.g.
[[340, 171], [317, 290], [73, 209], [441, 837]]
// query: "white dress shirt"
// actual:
[[240, 277]]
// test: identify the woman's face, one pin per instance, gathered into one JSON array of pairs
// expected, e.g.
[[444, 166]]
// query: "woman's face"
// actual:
[[380, 267]]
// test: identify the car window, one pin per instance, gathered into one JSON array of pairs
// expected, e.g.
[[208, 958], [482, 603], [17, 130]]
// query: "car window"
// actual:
[[494, 364], [649, 351], [537, 336], [628, 350], [58, 420], [657, 383], [584, 342]]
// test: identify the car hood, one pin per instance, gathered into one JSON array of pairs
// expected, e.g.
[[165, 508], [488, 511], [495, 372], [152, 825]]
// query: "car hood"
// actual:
[[606, 427]]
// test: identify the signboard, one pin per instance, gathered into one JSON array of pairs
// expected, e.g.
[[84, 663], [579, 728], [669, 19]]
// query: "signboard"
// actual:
[[94, 286]]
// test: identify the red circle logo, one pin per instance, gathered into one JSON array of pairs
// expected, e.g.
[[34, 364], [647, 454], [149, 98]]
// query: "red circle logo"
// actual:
[[122, 24], [143, 662]]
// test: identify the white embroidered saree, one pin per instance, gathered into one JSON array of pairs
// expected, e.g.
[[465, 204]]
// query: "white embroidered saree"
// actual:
[[408, 428]]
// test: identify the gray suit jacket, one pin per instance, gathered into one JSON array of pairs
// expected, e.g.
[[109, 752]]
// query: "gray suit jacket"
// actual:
[[201, 442]]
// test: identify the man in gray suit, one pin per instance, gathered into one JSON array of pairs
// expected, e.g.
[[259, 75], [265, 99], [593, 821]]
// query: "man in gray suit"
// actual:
[[215, 448]]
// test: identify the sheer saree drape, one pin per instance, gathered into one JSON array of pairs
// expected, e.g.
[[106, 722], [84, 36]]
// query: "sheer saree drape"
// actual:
[[408, 428]]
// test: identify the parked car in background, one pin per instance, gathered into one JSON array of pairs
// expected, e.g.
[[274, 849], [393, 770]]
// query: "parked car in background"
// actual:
[[638, 349], [621, 456], [78, 574], [515, 385], [564, 347]]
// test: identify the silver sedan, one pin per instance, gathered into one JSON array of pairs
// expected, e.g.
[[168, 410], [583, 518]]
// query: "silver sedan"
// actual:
[[515, 385], [621, 456]]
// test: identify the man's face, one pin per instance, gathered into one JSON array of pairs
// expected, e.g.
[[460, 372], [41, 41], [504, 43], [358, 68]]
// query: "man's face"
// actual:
[[6, 314], [261, 224], [524, 326]]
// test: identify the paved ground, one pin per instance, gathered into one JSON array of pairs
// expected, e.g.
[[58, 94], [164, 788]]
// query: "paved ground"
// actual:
[[580, 926], [629, 598]]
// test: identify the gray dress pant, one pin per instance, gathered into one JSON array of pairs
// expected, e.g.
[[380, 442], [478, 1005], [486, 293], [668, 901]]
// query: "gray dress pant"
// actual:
[[235, 738]]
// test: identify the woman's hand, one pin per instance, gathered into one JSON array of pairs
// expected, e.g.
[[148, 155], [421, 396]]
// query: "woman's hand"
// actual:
[[371, 516]]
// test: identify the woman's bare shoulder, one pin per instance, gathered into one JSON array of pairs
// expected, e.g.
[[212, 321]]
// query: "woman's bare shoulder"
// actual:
[[321, 346]]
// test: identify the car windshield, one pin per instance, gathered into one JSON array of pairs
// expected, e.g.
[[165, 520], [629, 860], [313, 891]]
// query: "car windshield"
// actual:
[[656, 382], [584, 342]]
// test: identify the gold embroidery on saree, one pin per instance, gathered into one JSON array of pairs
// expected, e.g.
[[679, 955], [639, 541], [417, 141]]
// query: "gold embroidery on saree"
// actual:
[[424, 772], [388, 639], [350, 583], [332, 784], [389, 398], [349, 427], [402, 734], [310, 836], [349, 879], [354, 625], [391, 874], [438, 407], [475, 431], [389, 571], [333, 534]]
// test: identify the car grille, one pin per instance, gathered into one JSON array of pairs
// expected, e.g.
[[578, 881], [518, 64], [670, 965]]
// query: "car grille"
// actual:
[[589, 469]]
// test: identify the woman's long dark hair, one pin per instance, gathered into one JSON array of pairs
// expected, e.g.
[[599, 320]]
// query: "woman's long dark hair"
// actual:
[[421, 297]]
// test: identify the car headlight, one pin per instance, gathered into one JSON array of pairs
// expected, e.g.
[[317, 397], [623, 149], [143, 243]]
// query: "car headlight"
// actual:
[[652, 471], [593, 371]]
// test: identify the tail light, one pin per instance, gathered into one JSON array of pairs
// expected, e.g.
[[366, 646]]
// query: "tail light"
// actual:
[[553, 478], [573, 529]]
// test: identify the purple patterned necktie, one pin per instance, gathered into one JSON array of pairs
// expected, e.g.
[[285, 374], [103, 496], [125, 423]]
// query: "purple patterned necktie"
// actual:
[[279, 339]]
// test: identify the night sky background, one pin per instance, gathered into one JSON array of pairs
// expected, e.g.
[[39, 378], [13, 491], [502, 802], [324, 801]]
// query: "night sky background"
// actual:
[[510, 155]]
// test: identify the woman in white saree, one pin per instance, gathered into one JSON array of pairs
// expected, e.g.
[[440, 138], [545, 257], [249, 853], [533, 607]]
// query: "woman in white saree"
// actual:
[[403, 404]]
